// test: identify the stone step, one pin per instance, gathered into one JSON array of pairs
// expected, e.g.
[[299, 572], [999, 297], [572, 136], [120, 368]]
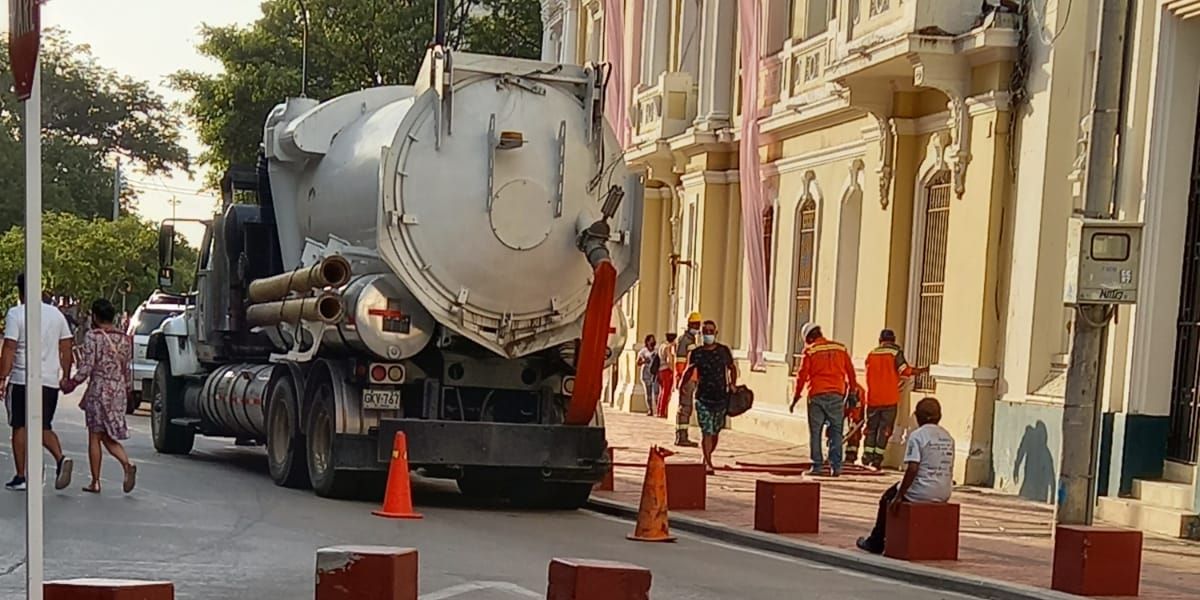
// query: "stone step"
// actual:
[[1179, 472], [1133, 513], [1167, 494]]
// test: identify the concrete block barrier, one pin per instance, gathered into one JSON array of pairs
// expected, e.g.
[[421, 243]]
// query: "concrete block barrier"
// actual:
[[923, 531], [366, 573], [787, 506], [687, 486], [580, 579], [1097, 561], [108, 589]]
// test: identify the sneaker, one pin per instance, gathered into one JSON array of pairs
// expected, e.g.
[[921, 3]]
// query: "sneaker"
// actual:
[[17, 484], [865, 545], [62, 476]]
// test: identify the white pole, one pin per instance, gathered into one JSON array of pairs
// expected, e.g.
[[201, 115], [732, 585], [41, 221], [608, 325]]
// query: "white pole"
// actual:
[[117, 191], [33, 338]]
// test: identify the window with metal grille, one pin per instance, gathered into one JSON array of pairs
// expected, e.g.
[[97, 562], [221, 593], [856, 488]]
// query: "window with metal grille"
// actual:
[[806, 255], [935, 235]]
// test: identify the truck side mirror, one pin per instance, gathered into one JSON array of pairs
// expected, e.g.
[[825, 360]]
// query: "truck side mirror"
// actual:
[[166, 246]]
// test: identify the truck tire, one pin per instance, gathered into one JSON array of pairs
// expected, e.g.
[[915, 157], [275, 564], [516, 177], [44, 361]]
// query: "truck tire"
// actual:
[[327, 481], [133, 401], [287, 453], [166, 404]]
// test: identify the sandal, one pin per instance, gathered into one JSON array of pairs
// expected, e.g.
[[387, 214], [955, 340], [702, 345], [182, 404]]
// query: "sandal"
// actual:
[[130, 478], [92, 488]]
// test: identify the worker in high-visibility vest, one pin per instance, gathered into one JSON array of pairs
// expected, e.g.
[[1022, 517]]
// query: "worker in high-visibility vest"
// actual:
[[886, 371], [827, 374], [687, 389]]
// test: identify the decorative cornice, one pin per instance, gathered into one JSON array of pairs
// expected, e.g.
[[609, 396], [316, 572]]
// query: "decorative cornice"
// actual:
[[698, 178], [964, 374], [809, 160]]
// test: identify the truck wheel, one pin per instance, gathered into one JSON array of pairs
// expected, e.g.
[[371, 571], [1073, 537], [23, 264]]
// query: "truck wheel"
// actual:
[[287, 455], [133, 402], [327, 481], [165, 404]]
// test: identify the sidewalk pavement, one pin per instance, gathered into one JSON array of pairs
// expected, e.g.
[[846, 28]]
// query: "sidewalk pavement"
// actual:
[[1003, 538]]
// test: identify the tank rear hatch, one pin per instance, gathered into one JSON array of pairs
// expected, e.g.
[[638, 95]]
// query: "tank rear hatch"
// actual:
[[479, 216]]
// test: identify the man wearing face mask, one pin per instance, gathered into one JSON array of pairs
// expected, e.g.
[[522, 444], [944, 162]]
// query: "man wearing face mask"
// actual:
[[687, 389], [716, 374]]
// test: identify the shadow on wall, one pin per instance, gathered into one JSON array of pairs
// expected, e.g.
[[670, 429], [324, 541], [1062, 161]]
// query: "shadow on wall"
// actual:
[[1034, 466]]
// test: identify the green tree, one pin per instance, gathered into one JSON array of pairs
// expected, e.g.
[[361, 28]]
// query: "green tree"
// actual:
[[86, 259], [353, 44], [90, 116]]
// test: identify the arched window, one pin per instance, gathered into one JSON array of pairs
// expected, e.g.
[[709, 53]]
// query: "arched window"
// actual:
[[768, 220], [806, 260], [934, 236]]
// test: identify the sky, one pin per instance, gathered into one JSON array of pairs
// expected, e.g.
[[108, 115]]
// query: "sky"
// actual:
[[149, 40]]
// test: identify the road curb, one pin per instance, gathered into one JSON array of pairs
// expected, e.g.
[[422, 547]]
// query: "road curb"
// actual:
[[913, 573]]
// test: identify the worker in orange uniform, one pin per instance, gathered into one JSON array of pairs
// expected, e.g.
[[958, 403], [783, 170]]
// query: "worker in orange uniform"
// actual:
[[828, 374], [856, 418], [689, 341], [886, 371]]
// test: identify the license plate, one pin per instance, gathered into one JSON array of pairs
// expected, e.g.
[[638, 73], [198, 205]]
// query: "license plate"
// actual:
[[381, 399]]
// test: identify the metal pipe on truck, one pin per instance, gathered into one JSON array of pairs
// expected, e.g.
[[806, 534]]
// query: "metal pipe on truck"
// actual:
[[332, 271], [327, 308]]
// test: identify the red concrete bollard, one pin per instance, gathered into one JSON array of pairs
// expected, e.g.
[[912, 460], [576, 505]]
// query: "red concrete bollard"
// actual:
[[923, 531], [1097, 561], [687, 486], [579, 579], [787, 506], [366, 573], [607, 484], [108, 589]]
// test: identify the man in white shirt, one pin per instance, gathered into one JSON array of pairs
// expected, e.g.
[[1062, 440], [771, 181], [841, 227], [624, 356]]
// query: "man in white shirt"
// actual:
[[929, 472], [57, 342]]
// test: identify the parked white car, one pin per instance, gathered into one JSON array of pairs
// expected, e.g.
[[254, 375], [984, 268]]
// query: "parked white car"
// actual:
[[148, 317]]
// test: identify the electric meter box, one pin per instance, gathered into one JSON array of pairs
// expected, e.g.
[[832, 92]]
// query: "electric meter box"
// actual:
[[1102, 261]]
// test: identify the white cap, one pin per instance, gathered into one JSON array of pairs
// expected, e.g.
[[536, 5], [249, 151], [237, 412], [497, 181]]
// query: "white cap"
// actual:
[[807, 329]]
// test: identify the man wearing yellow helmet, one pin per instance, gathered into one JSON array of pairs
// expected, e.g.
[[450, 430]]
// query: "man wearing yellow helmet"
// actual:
[[687, 389]]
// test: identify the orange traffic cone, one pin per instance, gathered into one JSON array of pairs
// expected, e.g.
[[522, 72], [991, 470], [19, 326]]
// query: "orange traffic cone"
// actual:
[[652, 513], [397, 501]]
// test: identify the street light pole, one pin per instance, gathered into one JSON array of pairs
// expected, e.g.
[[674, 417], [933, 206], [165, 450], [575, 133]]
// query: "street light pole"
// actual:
[[303, 48], [117, 191], [1081, 404], [33, 339]]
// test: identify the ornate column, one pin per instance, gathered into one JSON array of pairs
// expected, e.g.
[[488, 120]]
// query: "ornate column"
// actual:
[[716, 64]]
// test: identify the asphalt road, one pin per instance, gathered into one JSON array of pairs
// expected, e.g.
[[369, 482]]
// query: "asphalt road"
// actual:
[[216, 525]]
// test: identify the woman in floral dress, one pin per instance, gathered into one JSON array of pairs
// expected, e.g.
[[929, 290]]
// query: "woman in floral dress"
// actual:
[[105, 363]]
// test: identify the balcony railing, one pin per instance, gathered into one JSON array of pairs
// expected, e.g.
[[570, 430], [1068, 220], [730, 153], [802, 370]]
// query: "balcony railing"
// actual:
[[887, 18], [665, 110], [805, 64]]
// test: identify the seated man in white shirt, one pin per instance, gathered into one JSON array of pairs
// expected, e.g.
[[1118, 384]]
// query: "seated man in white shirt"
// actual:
[[928, 474]]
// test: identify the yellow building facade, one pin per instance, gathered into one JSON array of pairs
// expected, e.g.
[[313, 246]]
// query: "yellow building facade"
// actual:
[[920, 161]]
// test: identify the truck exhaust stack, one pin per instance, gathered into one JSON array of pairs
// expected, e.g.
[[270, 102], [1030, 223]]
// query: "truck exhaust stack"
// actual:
[[326, 308], [332, 271]]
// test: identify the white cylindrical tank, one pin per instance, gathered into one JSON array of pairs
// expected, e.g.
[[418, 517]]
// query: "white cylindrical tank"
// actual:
[[479, 220]]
